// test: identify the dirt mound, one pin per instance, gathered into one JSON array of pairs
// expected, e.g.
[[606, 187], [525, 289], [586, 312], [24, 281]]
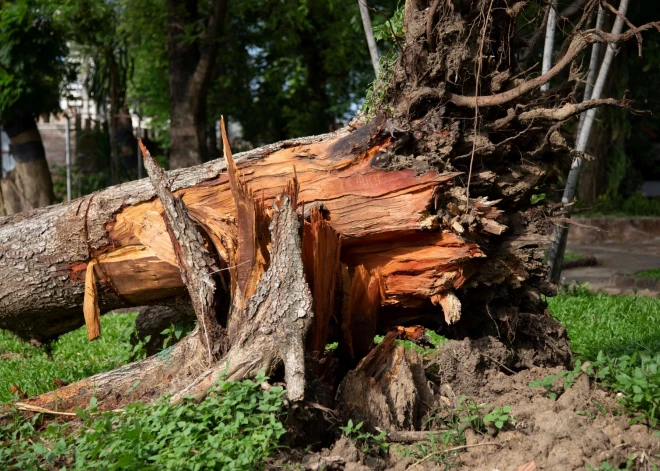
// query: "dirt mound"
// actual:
[[582, 428], [578, 430]]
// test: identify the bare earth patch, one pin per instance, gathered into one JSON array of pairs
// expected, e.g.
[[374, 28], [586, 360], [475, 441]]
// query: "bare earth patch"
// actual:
[[584, 428]]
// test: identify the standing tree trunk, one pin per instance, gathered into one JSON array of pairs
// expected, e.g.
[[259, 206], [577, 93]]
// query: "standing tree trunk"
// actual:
[[191, 65], [29, 185], [420, 215]]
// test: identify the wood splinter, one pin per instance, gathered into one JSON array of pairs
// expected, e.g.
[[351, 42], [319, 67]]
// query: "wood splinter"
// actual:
[[91, 309]]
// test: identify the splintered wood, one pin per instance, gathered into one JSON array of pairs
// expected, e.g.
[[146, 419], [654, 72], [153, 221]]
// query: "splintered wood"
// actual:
[[91, 305], [194, 262], [321, 247], [382, 218]]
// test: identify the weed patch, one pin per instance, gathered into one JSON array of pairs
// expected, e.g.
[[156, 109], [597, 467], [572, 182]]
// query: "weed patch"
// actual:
[[235, 428], [654, 274]]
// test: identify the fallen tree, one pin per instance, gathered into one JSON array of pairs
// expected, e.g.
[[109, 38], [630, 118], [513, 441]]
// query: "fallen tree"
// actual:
[[420, 214]]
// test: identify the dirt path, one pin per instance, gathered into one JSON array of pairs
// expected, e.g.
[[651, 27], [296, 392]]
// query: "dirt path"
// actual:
[[616, 262]]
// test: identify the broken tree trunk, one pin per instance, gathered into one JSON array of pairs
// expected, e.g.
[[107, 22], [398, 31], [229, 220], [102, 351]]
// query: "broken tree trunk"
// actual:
[[384, 217], [420, 214]]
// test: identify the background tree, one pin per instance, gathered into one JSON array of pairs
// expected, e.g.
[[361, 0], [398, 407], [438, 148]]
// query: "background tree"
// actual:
[[623, 143], [99, 32], [307, 81], [32, 69], [193, 30]]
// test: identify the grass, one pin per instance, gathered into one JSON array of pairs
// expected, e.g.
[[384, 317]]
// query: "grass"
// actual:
[[636, 205], [239, 426], [235, 428], [653, 274], [72, 357], [568, 255], [620, 337], [615, 325]]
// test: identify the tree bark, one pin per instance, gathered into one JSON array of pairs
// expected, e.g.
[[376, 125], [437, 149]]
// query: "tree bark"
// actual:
[[190, 69], [29, 185]]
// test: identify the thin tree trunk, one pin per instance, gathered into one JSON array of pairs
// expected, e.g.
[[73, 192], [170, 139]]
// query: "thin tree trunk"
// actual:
[[593, 67], [369, 33], [558, 247], [113, 117], [549, 46], [29, 185]]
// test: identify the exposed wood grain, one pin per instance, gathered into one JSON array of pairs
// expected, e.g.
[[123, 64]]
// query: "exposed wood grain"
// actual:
[[321, 247], [91, 305], [385, 219]]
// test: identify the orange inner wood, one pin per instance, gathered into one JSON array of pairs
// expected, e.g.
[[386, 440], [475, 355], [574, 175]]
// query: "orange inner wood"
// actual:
[[377, 213]]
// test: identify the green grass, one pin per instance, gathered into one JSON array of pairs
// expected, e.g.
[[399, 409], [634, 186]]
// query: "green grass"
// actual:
[[239, 425], [235, 428], [653, 274], [615, 325], [568, 255], [620, 337], [73, 357]]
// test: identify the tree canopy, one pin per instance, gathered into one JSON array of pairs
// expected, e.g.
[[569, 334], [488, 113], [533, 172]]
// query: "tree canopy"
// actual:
[[33, 58]]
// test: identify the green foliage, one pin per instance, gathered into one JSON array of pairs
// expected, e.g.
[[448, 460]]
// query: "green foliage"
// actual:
[[430, 336], [617, 325], [620, 335], [630, 465], [470, 413], [174, 333], [537, 198], [391, 33], [366, 441], [235, 428], [500, 417], [26, 445], [32, 59], [304, 82], [148, 89], [653, 274], [72, 357], [568, 378], [98, 30], [634, 205], [637, 380]]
